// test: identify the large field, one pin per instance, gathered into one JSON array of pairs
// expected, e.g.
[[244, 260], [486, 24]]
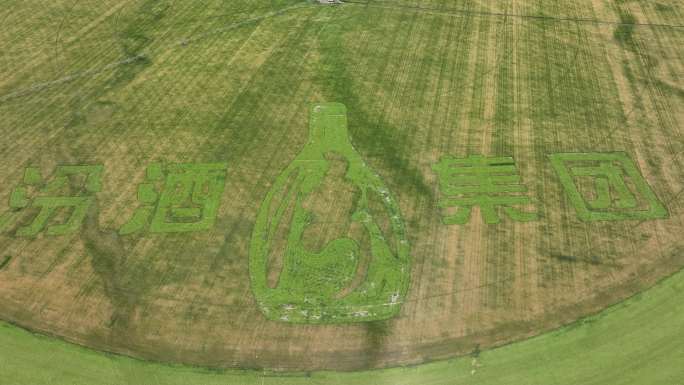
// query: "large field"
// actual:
[[560, 123]]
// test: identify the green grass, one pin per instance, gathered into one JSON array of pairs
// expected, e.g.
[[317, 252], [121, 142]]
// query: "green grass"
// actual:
[[48, 206], [32, 176], [637, 342], [308, 289]]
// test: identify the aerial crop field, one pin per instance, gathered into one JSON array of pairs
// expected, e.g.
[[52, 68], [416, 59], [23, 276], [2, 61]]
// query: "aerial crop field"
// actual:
[[291, 186], [309, 287]]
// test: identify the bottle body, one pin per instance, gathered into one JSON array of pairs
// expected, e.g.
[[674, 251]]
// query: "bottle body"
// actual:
[[361, 275]]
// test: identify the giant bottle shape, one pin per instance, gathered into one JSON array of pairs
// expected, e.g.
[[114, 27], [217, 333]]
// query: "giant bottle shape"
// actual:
[[346, 280]]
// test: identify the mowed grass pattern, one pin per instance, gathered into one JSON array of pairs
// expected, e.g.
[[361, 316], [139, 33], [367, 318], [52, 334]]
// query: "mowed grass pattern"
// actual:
[[360, 275], [127, 84]]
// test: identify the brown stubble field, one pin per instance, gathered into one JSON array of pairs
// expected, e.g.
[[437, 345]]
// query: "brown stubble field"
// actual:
[[420, 79]]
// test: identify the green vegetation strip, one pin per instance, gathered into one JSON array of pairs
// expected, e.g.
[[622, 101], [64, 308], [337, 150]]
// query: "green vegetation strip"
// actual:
[[635, 342]]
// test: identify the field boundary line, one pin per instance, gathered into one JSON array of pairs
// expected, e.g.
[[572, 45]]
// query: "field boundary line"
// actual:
[[455, 11]]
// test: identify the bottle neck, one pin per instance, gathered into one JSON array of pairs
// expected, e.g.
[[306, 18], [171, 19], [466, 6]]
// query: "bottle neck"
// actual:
[[328, 126]]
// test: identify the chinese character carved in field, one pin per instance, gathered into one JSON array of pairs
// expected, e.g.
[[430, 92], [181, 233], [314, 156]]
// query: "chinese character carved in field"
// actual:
[[606, 187], [488, 183], [59, 205], [178, 198]]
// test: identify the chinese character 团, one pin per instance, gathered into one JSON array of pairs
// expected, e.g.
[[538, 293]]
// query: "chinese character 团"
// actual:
[[63, 201], [606, 187], [488, 183], [179, 198]]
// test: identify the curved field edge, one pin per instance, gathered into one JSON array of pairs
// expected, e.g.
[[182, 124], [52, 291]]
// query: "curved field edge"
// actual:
[[635, 342]]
